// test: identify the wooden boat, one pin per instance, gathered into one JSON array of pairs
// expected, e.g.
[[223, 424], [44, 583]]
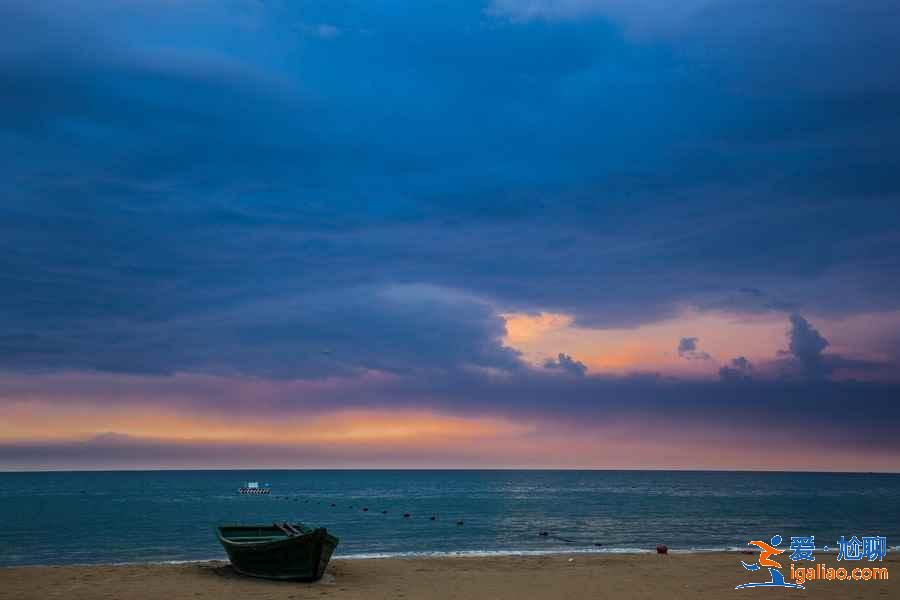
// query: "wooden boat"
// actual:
[[278, 551]]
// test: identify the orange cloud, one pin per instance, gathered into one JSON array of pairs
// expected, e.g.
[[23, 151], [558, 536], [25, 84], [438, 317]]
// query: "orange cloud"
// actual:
[[524, 328], [652, 346], [35, 420]]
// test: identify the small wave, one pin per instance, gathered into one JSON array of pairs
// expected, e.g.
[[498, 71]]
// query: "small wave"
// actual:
[[191, 561], [549, 552], [440, 554]]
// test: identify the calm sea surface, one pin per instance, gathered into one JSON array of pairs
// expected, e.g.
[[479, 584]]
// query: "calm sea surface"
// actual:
[[169, 515]]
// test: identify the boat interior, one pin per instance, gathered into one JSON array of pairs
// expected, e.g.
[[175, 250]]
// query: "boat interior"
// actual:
[[254, 533]]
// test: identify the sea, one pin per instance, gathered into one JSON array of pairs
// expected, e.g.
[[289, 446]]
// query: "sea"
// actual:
[[169, 516]]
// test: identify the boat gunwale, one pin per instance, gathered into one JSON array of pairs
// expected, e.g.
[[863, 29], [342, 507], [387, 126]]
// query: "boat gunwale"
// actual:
[[278, 540]]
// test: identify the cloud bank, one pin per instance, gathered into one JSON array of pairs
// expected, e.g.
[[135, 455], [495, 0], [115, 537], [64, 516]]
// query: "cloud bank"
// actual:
[[300, 196]]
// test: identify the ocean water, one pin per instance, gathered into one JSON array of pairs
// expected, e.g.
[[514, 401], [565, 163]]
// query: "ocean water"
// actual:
[[114, 517]]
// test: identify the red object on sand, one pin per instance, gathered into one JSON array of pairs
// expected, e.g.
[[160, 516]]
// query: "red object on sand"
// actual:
[[662, 549]]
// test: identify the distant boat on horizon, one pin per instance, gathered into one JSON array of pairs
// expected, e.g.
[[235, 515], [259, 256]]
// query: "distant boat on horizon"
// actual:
[[252, 488]]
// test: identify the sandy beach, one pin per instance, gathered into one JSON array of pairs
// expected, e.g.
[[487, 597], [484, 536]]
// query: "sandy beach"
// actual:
[[711, 575]]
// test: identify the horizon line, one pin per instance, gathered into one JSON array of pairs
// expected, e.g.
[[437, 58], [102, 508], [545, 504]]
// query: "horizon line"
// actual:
[[550, 469]]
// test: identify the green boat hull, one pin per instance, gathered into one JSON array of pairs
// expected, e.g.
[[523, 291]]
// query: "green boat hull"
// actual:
[[268, 552]]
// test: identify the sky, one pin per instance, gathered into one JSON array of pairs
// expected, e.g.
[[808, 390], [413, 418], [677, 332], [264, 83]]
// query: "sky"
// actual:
[[471, 234]]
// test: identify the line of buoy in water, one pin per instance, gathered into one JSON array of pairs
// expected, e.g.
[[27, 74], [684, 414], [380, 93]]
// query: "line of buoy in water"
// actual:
[[459, 523], [543, 533], [661, 548]]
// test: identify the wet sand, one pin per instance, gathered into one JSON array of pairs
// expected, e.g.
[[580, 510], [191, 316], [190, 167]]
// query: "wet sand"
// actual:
[[709, 575]]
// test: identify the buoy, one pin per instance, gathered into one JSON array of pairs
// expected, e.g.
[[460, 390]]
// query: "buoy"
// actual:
[[405, 515], [333, 504], [662, 549], [365, 510], [598, 543], [384, 512], [432, 518], [544, 534], [459, 523]]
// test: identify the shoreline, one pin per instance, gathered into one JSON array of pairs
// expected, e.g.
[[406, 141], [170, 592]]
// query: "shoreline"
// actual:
[[439, 554], [416, 555], [511, 577]]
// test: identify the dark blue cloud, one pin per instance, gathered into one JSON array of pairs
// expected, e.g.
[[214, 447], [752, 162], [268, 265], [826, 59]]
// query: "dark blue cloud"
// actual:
[[566, 364], [688, 348], [237, 187], [738, 369], [346, 331], [806, 357], [807, 346]]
